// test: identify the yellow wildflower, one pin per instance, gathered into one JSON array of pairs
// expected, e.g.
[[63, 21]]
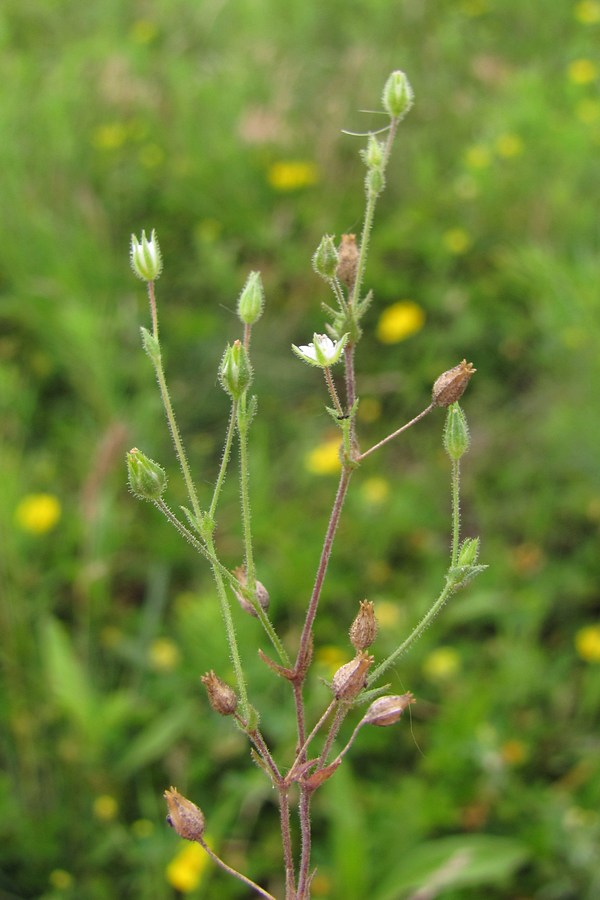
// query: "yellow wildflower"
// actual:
[[330, 658], [60, 879], [324, 459], [478, 156], [38, 513], [164, 655], [105, 807], [587, 643], [441, 664], [513, 752], [457, 240], [587, 12], [185, 870], [142, 828], [111, 136], [582, 71], [509, 145], [292, 175], [399, 321], [369, 409], [143, 31], [375, 490]]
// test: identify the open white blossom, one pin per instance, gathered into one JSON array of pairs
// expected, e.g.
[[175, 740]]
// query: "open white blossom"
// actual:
[[323, 352]]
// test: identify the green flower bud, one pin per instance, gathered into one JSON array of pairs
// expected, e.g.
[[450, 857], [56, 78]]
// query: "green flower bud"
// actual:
[[375, 181], [373, 155], [397, 95], [235, 373], [468, 553], [147, 479], [325, 258], [456, 432], [252, 300], [145, 257]]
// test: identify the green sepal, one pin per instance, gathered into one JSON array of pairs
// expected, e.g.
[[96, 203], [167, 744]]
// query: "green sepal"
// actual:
[[151, 345], [460, 576]]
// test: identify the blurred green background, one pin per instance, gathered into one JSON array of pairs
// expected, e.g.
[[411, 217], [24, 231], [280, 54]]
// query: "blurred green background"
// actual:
[[219, 124]]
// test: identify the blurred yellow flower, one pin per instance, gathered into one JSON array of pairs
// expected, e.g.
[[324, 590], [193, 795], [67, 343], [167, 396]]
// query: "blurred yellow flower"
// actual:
[[110, 136], [105, 807], [388, 614], [143, 31], [292, 175], [582, 71], [330, 658], [185, 870], [38, 513], [474, 7], [60, 879], [399, 321], [369, 409], [588, 111], [587, 12], [441, 664], [509, 145], [587, 643], [513, 752], [151, 156], [478, 156], [324, 459], [375, 490], [164, 655], [457, 240], [142, 828]]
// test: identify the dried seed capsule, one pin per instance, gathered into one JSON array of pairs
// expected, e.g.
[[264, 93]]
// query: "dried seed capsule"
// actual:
[[350, 679], [387, 710], [363, 630], [184, 816], [262, 594], [451, 385], [221, 697], [347, 261]]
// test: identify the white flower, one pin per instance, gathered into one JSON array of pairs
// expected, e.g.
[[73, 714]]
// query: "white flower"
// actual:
[[146, 259], [323, 352]]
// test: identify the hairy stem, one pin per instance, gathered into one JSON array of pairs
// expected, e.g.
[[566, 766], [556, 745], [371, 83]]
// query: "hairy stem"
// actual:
[[395, 434], [230, 871]]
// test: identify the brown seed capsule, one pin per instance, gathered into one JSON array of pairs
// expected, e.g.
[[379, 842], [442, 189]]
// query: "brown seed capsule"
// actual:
[[363, 630], [262, 594], [451, 385], [350, 679], [347, 260], [184, 816], [387, 710], [221, 697]]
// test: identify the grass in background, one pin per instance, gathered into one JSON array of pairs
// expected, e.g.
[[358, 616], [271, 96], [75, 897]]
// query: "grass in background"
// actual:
[[219, 124]]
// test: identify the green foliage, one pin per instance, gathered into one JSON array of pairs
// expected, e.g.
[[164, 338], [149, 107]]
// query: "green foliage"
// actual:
[[220, 126]]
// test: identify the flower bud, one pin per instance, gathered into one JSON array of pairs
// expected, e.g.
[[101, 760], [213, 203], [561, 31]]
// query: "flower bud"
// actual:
[[451, 385], [145, 257], [184, 816], [387, 710], [456, 432], [397, 95], [374, 181], [374, 154], [363, 630], [468, 553], [351, 678], [347, 261], [235, 373], [325, 258], [221, 697], [147, 479], [261, 595], [252, 300]]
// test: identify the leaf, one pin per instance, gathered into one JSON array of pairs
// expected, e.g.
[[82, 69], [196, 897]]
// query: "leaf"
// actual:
[[452, 862], [67, 677], [155, 739]]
